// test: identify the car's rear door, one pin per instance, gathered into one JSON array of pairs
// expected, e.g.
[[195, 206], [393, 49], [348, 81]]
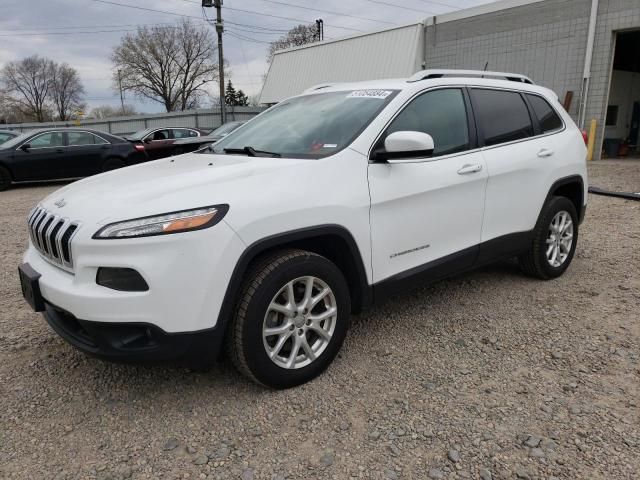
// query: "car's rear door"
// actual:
[[85, 152], [517, 154], [426, 214]]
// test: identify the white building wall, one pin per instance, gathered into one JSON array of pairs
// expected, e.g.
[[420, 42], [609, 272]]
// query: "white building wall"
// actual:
[[392, 53]]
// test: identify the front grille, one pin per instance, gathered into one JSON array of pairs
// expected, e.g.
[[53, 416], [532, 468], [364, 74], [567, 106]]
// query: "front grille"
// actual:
[[51, 235]]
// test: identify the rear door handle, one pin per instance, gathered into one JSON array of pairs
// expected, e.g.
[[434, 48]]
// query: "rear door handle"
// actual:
[[545, 152], [467, 169]]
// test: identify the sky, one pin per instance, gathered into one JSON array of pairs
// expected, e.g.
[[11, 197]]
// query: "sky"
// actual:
[[83, 33]]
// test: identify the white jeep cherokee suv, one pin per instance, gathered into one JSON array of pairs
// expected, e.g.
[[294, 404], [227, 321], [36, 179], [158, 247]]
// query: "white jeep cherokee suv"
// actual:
[[324, 204]]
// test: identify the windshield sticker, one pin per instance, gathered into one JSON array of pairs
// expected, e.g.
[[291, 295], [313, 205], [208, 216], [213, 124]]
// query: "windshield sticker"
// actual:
[[330, 145], [382, 94]]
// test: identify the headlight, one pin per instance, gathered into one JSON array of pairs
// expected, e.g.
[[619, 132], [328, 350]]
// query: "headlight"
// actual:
[[167, 223]]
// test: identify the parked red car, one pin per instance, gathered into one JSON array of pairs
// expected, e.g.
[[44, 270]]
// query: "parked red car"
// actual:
[[159, 142]]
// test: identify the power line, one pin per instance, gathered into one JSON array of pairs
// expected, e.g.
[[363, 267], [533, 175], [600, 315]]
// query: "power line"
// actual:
[[65, 33], [69, 27], [342, 14], [457, 7], [146, 9], [395, 5], [256, 32], [262, 14], [240, 37]]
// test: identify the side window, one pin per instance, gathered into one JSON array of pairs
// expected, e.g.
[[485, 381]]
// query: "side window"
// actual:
[[180, 133], [193, 133], [99, 140], [547, 116], [440, 113], [80, 138], [160, 135], [52, 139], [502, 116]]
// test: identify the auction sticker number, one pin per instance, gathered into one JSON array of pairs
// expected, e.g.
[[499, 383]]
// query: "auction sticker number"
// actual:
[[370, 94]]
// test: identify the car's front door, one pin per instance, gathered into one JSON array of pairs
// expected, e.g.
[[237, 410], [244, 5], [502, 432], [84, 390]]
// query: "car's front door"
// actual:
[[44, 159], [158, 144], [426, 214]]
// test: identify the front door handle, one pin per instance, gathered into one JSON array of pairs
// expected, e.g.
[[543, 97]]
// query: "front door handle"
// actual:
[[59, 150], [545, 152], [467, 169]]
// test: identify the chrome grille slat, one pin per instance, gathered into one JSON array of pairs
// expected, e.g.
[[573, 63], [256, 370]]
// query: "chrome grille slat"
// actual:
[[40, 232], [51, 235], [47, 236], [36, 227], [58, 239]]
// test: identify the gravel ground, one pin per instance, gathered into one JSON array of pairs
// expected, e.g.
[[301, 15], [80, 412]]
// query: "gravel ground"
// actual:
[[488, 375]]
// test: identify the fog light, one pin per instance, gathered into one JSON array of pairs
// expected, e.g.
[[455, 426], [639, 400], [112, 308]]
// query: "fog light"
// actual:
[[121, 279]]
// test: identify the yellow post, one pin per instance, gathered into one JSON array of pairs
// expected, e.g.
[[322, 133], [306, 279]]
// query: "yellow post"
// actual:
[[592, 139]]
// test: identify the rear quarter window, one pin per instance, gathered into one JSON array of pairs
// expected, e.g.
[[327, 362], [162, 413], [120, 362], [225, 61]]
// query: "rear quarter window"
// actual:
[[547, 117]]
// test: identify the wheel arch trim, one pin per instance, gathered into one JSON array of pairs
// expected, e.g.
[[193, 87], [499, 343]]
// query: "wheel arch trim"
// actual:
[[571, 179], [260, 246]]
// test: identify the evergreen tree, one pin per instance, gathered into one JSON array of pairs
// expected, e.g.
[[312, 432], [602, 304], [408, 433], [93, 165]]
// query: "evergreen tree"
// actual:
[[242, 100], [230, 94]]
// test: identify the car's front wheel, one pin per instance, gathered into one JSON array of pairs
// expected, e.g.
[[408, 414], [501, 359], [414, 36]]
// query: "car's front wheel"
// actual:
[[291, 320], [554, 240]]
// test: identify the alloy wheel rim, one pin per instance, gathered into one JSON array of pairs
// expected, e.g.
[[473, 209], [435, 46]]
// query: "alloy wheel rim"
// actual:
[[559, 239], [299, 323]]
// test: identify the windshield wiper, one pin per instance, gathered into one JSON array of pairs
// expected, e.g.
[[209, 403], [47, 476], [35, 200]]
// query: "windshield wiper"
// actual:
[[252, 152]]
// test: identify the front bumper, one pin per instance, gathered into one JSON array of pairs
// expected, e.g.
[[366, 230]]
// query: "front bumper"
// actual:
[[135, 343], [187, 275]]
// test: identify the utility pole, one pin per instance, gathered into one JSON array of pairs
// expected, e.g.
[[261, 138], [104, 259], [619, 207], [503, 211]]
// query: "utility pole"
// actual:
[[120, 87], [219, 29]]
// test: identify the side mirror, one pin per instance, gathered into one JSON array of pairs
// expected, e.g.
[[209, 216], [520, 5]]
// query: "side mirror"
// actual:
[[148, 140], [25, 147], [406, 145]]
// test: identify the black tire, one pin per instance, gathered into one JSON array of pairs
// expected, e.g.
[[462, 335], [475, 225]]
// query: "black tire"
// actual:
[[113, 164], [178, 151], [534, 262], [245, 344], [5, 179]]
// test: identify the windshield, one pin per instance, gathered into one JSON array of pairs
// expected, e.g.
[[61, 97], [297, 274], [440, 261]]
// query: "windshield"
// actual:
[[4, 136], [14, 142], [311, 126], [225, 129]]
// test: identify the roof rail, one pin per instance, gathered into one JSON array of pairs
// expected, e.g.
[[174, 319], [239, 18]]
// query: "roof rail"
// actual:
[[319, 87], [428, 74]]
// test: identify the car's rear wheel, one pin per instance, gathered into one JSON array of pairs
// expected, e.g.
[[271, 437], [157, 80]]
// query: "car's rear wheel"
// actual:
[[113, 164], [5, 179], [291, 320], [554, 240]]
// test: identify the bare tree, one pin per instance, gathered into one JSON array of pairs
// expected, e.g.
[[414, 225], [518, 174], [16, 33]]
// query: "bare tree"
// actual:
[[66, 90], [297, 36], [107, 111], [28, 82], [167, 64]]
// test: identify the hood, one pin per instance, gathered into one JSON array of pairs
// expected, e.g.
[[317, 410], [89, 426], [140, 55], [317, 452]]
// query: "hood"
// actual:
[[168, 185]]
